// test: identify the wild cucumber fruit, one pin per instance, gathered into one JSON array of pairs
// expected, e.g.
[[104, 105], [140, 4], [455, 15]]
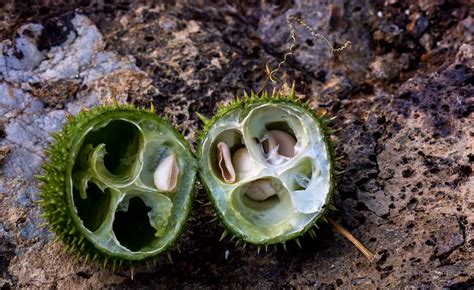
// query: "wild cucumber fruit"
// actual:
[[267, 163], [117, 186]]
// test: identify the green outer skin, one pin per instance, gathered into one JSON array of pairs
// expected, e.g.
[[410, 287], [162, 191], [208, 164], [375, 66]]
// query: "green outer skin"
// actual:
[[276, 98], [56, 204]]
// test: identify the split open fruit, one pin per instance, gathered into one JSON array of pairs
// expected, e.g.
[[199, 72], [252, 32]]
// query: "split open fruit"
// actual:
[[118, 184], [267, 164]]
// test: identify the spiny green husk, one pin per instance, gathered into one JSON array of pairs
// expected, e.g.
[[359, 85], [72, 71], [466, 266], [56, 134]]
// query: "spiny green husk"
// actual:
[[252, 100], [58, 205]]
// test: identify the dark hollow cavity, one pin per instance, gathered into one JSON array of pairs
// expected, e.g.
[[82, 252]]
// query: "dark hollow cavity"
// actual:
[[132, 227], [122, 141], [92, 210]]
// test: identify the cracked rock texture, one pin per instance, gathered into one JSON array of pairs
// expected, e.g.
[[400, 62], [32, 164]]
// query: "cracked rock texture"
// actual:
[[403, 94]]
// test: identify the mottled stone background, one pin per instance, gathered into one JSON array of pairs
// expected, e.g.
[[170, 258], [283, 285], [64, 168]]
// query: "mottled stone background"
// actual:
[[403, 94]]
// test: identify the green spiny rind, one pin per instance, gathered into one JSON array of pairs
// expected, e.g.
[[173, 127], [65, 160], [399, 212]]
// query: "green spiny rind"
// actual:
[[276, 97], [55, 205]]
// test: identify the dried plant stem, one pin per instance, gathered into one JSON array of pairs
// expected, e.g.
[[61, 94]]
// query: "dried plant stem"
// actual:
[[301, 22], [367, 253]]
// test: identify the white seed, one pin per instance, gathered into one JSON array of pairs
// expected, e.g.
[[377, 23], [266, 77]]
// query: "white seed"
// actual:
[[225, 163], [166, 174], [260, 190], [281, 142], [242, 163]]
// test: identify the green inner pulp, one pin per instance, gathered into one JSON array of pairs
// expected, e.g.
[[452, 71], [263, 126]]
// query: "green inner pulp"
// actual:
[[117, 206], [302, 183]]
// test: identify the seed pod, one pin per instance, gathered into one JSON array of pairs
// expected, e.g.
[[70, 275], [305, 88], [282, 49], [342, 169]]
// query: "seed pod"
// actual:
[[112, 186], [260, 190], [166, 174], [279, 142], [242, 162], [283, 161], [225, 163]]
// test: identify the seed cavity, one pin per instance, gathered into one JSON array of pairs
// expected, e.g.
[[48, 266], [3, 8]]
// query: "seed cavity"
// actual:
[[260, 190], [166, 174]]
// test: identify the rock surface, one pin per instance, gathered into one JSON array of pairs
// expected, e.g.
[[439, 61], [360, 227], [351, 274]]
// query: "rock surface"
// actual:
[[403, 94]]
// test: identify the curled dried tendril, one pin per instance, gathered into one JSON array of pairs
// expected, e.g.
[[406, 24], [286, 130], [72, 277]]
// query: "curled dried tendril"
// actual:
[[301, 179], [290, 20]]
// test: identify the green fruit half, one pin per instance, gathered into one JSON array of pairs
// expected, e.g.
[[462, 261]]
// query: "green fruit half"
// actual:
[[283, 167], [118, 184]]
